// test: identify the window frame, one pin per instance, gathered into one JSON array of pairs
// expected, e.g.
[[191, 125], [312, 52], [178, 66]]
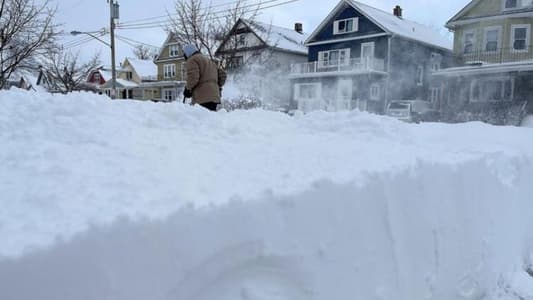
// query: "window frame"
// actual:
[[164, 95], [435, 94], [298, 90], [528, 37], [498, 42], [419, 75], [355, 26], [345, 62], [166, 73], [473, 33], [481, 99], [375, 91], [173, 50]]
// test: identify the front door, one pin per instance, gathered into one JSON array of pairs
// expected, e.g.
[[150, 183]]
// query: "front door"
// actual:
[[344, 94], [367, 54]]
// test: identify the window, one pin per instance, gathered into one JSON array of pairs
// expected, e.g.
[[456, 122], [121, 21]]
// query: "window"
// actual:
[[434, 95], [492, 90], [468, 42], [334, 57], [306, 91], [346, 26], [420, 75], [374, 91], [241, 40], [97, 77], [510, 4], [129, 75], [169, 71], [169, 95], [235, 62], [492, 39], [520, 35], [436, 61], [173, 50], [516, 4]]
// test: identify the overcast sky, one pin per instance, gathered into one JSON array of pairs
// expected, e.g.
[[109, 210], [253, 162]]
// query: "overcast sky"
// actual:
[[92, 15]]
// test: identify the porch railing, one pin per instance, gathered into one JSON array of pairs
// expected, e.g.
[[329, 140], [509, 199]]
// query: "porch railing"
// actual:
[[501, 55], [352, 65]]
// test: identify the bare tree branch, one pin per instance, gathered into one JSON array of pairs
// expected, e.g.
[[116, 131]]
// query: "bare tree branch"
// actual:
[[65, 73], [25, 30], [144, 52]]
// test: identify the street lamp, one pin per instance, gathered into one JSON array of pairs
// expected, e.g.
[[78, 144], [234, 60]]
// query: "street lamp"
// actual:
[[75, 32], [114, 15]]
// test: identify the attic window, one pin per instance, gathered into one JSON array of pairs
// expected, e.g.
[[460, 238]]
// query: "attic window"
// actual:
[[346, 26], [173, 50]]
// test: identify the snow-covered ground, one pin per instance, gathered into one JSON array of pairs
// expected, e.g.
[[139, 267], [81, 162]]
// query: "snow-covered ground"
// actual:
[[132, 200]]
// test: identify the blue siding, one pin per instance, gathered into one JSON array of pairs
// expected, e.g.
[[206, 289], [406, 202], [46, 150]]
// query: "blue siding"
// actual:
[[381, 48], [406, 56], [366, 27]]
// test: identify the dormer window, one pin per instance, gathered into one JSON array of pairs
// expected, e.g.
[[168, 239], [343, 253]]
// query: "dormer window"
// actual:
[[346, 26]]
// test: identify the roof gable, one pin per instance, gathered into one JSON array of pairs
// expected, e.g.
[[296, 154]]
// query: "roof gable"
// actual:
[[171, 39], [391, 25], [145, 69], [463, 11], [366, 26], [270, 35]]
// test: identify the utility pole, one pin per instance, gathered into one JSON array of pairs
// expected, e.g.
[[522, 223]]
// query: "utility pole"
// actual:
[[114, 15]]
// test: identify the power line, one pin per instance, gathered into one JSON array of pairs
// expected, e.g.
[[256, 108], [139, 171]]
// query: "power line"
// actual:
[[167, 23], [136, 42], [225, 11], [167, 15], [82, 41]]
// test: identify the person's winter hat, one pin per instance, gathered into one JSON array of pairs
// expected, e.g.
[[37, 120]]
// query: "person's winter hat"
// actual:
[[189, 50]]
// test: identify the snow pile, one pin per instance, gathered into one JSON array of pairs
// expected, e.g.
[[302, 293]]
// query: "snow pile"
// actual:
[[132, 200]]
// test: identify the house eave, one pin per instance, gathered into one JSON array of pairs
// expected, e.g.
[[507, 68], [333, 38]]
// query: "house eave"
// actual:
[[516, 14]]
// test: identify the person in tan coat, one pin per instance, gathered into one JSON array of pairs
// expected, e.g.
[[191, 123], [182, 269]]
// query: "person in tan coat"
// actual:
[[204, 79]]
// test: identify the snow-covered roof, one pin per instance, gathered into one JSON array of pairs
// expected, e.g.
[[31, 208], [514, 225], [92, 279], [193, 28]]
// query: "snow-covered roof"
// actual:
[[392, 25], [279, 37], [121, 83], [404, 27], [144, 68]]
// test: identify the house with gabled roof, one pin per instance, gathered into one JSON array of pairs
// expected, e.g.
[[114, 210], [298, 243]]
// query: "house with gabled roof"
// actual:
[[170, 71], [262, 54], [251, 41], [492, 79], [361, 57]]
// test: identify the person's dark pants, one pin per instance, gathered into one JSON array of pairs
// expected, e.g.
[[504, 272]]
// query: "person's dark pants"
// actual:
[[212, 106]]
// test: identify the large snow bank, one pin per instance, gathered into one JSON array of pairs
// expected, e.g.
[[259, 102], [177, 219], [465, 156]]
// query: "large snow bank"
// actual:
[[130, 200]]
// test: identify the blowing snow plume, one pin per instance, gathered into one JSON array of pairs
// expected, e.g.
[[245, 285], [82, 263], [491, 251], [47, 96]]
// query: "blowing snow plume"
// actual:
[[131, 200]]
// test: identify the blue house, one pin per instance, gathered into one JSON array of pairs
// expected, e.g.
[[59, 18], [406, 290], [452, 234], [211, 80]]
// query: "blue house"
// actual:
[[362, 57]]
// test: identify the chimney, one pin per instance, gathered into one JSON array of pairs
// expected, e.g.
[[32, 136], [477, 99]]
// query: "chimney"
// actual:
[[298, 27], [398, 11]]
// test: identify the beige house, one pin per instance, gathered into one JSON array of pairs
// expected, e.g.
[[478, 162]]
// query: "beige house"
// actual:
[[493, 31], [170, 71], [132, 77], [493, 77]]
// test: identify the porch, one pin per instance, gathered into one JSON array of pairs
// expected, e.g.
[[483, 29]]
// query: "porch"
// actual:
[[338, 67]]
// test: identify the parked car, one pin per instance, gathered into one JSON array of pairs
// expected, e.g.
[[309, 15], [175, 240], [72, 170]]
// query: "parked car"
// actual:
[[414, 111]]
